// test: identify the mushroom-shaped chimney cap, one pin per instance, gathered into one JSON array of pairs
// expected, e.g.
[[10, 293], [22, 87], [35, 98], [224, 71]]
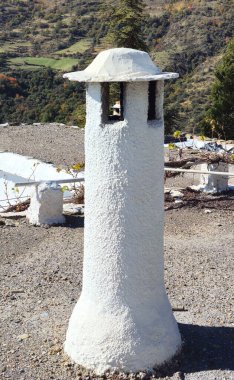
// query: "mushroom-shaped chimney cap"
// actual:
[[120, 65]]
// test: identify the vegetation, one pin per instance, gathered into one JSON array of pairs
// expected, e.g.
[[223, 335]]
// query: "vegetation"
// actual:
[[171, 118], [79, 47], [220, 116], [41, 95], [126, 24], [187, 36]]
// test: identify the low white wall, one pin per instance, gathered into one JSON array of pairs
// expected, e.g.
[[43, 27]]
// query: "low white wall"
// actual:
[[46, 205], [211, 183], [24, 167], [17, 168]]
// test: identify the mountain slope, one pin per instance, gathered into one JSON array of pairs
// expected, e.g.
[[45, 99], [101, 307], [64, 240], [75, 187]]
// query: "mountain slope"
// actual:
[[184, 36]]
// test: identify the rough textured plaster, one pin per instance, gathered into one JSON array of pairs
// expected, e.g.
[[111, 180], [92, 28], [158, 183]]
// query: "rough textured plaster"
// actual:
[[123, 319], [46, 205], [213, 183], [120, 64]]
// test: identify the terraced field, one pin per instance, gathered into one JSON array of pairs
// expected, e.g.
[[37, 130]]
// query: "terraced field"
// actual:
[[29, 63], [79, 47]]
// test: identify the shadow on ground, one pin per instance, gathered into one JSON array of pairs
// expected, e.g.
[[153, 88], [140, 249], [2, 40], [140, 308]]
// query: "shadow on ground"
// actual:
[[74, 221], [204, 349], [207, 348]]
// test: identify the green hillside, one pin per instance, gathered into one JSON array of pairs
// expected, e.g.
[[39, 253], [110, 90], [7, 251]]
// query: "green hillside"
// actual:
[[188, 37]]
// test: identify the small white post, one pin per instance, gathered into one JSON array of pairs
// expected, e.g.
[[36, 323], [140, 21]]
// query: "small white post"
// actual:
[[46, 206], [211, 183], [123, 320]]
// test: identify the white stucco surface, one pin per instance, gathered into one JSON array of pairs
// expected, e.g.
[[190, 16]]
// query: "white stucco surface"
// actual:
[[120, 64], [29, 168], [123, 319], [46, 206], [211, 183]]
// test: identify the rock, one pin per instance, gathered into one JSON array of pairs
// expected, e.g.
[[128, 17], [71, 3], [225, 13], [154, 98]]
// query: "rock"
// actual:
[[17, 291], [67, 363], [10, 223], [142, 375], [179, 376], [178, 201], [55, 349], [207, 211], [176, 194], [23, 336], [44, 314], [73, 209]]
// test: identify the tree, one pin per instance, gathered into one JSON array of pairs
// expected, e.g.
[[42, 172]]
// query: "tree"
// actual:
[[171, 118], [126, 22], [220, 116], [3, 61]]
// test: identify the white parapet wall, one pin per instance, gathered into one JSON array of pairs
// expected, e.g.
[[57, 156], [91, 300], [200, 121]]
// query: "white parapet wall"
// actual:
[[28, 167], [212, 183], [46, 206], [123, 320], [17, 168]]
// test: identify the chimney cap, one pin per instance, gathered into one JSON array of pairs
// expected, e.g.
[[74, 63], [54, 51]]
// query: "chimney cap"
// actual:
[[121, 65]]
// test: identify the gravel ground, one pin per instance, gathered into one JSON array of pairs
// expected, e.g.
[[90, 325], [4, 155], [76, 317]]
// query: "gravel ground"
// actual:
[[48, 142], [41, 272]]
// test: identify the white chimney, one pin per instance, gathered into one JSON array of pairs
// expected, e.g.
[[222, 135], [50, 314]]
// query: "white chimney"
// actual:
[[123, 319]]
